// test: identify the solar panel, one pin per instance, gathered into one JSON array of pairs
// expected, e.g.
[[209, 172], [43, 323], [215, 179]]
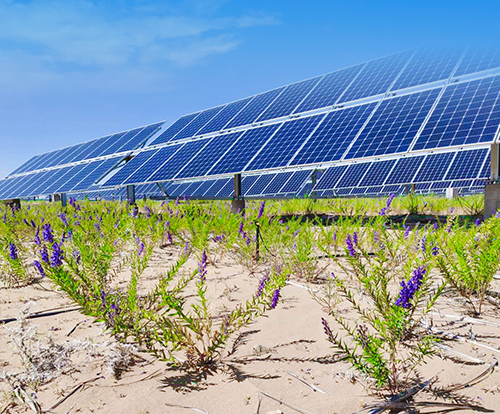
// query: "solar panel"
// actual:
[[177, 161], [376, 77], [405, 170], [467, 164], [394, 125], [260, 184], [434, 167], [296, 181], [199, 122], [142, 174], [133, 166], [26, 165], [285, 143], [239, 155], [216, 187], [173, 129], [329, 89], [377, 173], [333, 136], [478, 59], [428, 66], [204, 161], [203, 188], [467, 113], [56, 181], [486, 170], [227, 190], [277, 183], [289, 99], [330, 178], [252, 111], [353, 175], [102, 167], [247, 182], [224, 116]]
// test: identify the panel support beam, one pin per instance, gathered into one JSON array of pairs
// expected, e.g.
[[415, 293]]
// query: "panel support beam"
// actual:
[[13, 203], [64, 200], [131, 194], [238, 202]]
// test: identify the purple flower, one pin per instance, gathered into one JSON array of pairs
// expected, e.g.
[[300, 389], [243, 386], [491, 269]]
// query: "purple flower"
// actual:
[[423, 245], [375, 237], [477, 222], [13, 251], [435, 250], [148, 211], [409, 289], [327, 330], [97, 226], [247, 241], [169, 238], [39, 267], [350, 246], [355, 238], [117, 223], [186, 249], [202, 267], [26, 222], [452, 209], [44, 254], [141, 249], [47, 233], [436, 225], [240, 229], [63, 218], [37, 240], [135, 211], [57, 255], [261, 209], [77, 256], [262, 284], [363, 335], [335, 235], [276, 296]]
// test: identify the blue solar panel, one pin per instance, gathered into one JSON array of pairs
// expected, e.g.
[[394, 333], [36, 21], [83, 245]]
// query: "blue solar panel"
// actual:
[[285, 143], [376, 77], [330, 178], [180, 190], [296, 181], [192, 188], [26, 166], [173, 129], [333, 136], [56, 181], [35, 189], [35, 179], [394, 125], [205, 160], [329, 89], [393, 189], [247, 146], [434, 167], [353, 175], [203, 188], [178, 161], [227, 190], [12, 187], [405, 170], [467, 164], [247, 182], [478, 59], [428, 66], [136, 140], [102, 167], [252, 111], [141, 172], [260, 185], [115, 145], [278, 181], [377, 173], [441, 185], [216, 187], [305, 190], [467, 113], [85, 170], [486, 170], [224, 116], [105, 143], [292, 96], [133, 166], [199, 122]]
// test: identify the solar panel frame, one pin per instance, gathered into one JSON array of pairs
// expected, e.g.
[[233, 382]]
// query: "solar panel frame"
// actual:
[[434, 167], [467, 164]]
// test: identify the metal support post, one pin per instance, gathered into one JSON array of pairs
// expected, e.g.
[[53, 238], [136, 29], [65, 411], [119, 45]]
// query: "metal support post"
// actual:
[[64, 200], [238, 202], [131, 194], [492, 188]]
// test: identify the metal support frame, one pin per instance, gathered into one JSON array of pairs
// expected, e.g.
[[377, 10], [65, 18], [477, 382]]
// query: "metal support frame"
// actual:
[[238, 202], [64, 199], [131, 194], [13, 203]]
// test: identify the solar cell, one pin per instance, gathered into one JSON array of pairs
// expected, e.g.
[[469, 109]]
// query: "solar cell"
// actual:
[[377, 173], [277, 183], [428, 65], [199, 122], [203, 188], [285, 143], [34, 181], [173, 129], [11, 188], [216, 187], [394, 125], [467, 113], [405, 170], [201, 163], [467, 164], [486, 170], [296, 181], [252, 111], [260, 185], [376, 77], [247, 182], [478, 59], [240, 154], [353, 175], [434, 167], [329, 89], [85, 170], [43, 182], [330, 178], [177, 161], [289, 99], [224, 116], [227, 190], [331, 139]]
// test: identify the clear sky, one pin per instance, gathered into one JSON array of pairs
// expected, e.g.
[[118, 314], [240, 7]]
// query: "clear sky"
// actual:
[[74, 70]]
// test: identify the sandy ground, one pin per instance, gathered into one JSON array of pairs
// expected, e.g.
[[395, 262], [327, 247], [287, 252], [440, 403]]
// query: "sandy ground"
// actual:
[[267, 355]]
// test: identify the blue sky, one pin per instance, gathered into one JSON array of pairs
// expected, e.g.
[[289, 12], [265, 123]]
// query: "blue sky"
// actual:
[[74, 70]]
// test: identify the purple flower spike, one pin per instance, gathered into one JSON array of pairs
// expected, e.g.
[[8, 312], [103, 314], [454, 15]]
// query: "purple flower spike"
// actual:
[[240, 229], [276, 296], [409, 289], [13, 251], [202, 267], [44, 254], [57, 256], [423, 245], [47, 233], [350, 246], [63, 218], [186, 249], [39, 267], [37, 240], [262, 284], [327, 330], [261, 210], [435, 250], [141, 249], [477, 222], [355, 238]]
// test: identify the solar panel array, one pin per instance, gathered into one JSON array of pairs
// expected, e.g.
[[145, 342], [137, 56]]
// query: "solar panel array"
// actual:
[[75, 168], [424, 117]]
